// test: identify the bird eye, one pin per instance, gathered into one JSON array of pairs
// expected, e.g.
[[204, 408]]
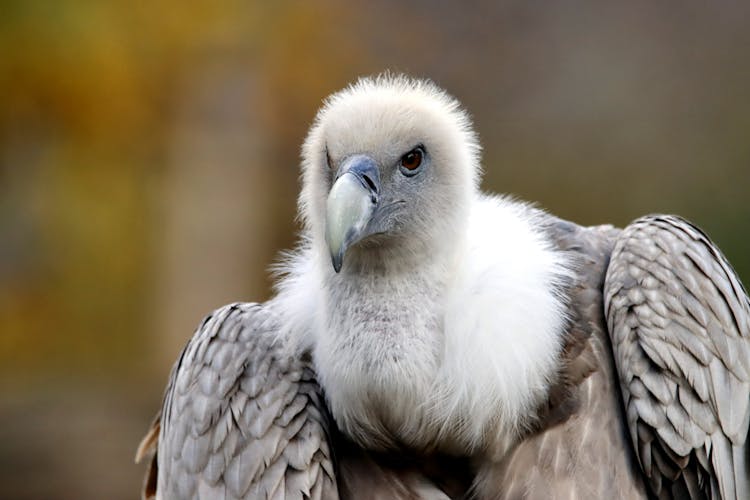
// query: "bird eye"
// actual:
[[411, 161]]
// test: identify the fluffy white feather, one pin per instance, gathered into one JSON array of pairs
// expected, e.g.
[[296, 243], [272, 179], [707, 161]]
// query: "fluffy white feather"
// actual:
[[503, 323], [445, 335]]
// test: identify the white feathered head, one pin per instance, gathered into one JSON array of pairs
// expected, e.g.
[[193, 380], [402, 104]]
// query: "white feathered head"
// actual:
[[389, 164]]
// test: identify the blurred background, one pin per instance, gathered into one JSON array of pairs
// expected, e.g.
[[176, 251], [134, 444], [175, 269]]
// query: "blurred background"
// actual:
[[149, 169]]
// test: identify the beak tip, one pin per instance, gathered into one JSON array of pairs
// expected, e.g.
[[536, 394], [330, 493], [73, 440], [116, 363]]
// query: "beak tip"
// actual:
[[337, 261]]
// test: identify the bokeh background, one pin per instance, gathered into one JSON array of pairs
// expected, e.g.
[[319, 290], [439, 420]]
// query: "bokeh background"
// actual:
[[149, 169]]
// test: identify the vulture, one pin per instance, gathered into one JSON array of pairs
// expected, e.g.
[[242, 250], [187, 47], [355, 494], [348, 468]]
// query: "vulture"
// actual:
[[430, 341]]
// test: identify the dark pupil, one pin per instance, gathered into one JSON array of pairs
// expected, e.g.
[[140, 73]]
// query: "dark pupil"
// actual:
[[412, 160]]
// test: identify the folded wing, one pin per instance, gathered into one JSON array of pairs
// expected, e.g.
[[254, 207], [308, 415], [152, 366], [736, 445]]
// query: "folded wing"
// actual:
[[679, 320], [241, 417]]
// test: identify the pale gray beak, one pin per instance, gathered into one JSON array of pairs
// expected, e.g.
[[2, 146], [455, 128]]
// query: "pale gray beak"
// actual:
[[350, 205]]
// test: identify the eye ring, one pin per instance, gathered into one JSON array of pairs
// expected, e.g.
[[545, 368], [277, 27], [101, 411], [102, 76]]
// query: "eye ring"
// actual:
[[411, 161]]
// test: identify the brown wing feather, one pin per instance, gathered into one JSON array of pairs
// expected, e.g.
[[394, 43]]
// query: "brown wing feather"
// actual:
[[401, 475], [147, 447], [679, 320]]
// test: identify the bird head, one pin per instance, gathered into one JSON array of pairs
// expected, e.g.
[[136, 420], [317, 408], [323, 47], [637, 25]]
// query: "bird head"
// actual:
[[390, 164]]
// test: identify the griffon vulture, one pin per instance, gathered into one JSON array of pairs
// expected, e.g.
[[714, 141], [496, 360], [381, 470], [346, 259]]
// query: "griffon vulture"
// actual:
[[430, 341]]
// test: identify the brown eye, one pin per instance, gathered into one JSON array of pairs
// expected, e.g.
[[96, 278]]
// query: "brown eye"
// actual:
[[413, 159]]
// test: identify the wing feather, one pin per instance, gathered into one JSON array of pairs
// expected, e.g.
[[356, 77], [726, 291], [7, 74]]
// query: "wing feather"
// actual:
[[241, 418], [679, 320]]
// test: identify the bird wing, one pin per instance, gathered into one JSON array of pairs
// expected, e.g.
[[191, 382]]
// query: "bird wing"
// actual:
[[241, 418], [679, 321]]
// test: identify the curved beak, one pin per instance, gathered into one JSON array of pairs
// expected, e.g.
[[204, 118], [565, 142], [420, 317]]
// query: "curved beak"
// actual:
[[351, 203]]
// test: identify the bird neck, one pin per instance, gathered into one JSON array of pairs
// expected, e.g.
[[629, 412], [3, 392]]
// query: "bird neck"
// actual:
[[392, 260], [378, 346]]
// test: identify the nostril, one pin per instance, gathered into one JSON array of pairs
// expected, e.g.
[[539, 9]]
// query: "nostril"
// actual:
[[370, 183], [366, 171]]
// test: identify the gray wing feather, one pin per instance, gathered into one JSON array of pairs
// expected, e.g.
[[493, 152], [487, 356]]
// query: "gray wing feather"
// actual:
[[679, 320], [241, 418]]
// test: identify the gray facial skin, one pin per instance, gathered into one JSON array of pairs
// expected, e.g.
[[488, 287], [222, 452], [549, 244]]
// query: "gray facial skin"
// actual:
[[359, 205]]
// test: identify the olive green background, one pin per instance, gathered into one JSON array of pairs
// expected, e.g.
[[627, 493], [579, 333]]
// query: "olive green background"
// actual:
[[149, 168]]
